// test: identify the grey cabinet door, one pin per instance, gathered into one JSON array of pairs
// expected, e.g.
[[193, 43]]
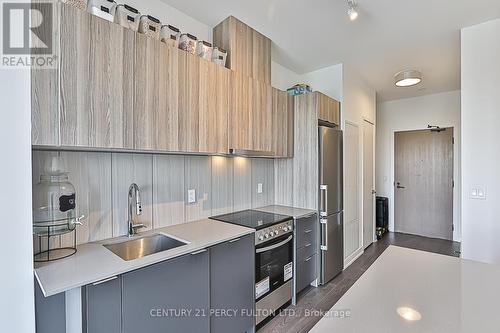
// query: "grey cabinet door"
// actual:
[[102, 307], [50, 315], [172, 296], [232, 275]]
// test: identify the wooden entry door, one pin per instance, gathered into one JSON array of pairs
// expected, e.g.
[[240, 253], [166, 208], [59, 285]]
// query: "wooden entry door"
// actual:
[[423, 187]]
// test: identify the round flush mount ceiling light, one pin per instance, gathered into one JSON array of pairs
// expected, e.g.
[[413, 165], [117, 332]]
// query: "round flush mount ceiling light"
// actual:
[[408, 78], [409, 314], [352, 9]]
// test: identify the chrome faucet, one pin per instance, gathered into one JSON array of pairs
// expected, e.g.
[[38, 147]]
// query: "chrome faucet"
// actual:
[[133, 191]]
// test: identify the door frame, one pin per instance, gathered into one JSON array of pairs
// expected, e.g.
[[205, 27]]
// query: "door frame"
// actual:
[[457, 233], [350, 258], [374, 161]]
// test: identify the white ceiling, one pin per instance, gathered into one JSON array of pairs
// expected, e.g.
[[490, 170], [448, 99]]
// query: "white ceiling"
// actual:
[[389, 35]]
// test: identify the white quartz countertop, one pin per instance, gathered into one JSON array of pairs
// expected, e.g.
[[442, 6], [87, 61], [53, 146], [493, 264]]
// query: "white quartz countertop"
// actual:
[[286, 210], [93, 262], [448, 294]]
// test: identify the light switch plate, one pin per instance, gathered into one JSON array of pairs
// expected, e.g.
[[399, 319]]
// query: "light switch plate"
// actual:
[[478, 192], [259, 188], [191, 196]]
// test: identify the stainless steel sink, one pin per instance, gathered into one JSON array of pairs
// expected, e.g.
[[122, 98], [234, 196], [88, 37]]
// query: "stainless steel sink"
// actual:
[[144, 246]]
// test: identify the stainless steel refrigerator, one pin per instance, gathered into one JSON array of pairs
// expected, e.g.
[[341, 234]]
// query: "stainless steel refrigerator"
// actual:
[[331, 208]]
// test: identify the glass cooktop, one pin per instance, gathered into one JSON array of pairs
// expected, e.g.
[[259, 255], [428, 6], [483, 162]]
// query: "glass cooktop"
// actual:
[[252, 218]]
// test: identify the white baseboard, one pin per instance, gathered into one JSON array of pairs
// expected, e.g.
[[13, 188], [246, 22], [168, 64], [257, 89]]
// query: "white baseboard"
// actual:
[[352, 258]]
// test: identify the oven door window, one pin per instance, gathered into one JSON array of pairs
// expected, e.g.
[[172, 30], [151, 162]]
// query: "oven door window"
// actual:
[[271, 264]]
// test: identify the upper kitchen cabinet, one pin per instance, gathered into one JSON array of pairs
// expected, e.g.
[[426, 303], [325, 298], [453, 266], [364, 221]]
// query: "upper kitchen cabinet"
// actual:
[[283, 105], [240, 136], [96, 87], [249, 52], [251, 116], [166, 119], [147, 91], [189, 102], [261, 118], [328, 108], [203, 105], [117, 89], [45, 95]]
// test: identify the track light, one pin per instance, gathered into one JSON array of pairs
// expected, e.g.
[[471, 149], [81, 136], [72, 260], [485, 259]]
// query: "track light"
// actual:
[[352, 10]]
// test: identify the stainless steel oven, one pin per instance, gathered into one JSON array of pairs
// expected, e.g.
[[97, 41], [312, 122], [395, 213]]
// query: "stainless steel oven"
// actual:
[[273, 268], [273, 258]]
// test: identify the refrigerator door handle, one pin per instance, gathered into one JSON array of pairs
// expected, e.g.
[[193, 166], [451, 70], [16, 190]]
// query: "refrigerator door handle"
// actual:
[[324, 200], [324, 235]]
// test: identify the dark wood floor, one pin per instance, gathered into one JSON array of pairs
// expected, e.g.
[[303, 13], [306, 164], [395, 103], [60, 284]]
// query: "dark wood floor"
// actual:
[[325, 297]]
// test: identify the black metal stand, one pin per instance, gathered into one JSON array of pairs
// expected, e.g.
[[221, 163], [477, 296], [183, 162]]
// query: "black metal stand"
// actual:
[[56, 253]]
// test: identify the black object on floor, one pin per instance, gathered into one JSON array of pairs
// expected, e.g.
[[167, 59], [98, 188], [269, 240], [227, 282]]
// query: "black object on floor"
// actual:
[[382, 216]]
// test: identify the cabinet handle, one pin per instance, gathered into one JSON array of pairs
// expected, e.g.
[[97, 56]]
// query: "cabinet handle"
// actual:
[[308, 231], [198, 252], [308, 259], [104, 281], [234, 240], [307, 245]]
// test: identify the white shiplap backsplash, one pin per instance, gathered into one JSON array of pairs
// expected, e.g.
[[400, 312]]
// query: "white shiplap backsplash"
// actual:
[[101, 180]]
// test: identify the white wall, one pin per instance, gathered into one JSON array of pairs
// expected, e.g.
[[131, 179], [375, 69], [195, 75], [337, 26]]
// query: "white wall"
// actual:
[[283, 78], [481, 141], [16, 279], [414, 114], [359, 103], [328, 80]]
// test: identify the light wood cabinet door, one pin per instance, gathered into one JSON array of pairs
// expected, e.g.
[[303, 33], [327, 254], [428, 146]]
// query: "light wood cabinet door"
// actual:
[[249, 52], [328, 108], [261, 119], [96, 89], [240, 135], [207, 111], [146, 91], [45, 96], [75, 98], [166, 118], [189, 92], [251, 115], [219, 120], [282, 123], [45, 107]]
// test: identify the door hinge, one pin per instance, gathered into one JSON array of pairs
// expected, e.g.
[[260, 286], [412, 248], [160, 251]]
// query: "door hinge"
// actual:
[[452, 227], [453, 140], [453, 183]]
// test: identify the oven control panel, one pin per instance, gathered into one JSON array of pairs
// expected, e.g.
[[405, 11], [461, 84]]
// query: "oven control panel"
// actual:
[[274, 231]]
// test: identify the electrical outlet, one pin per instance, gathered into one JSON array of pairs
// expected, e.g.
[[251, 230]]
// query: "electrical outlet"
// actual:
[[259, 188], [191, 196]]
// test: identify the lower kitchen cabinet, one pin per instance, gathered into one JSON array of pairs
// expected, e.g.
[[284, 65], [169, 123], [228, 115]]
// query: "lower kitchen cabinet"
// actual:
[[172, 296], [232, 286], [210, 290], [102, 306], [306, 251], [50, 314]]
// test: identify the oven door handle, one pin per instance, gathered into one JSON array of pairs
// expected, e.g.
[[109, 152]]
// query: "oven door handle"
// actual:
[[272, 247]]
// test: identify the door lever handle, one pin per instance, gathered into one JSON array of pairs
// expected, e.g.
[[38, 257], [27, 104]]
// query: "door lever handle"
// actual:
[[399, 186]]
